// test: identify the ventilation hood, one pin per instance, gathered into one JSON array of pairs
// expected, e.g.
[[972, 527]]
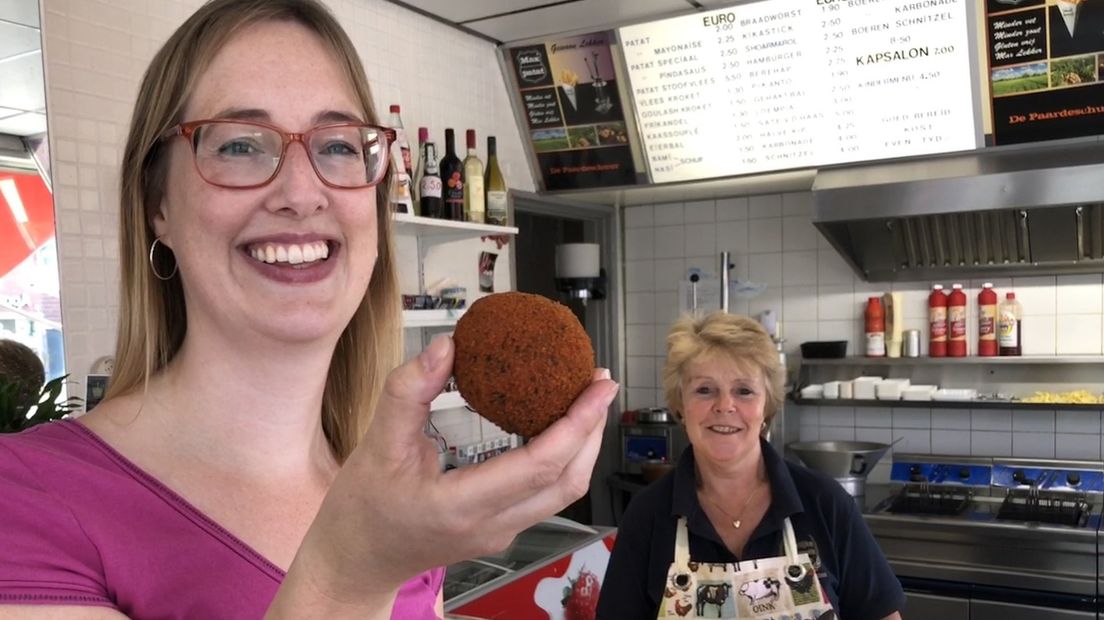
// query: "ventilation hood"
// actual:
[[989, 213]]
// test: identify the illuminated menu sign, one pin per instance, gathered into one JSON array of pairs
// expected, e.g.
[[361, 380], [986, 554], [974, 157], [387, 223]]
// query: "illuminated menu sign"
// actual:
[[783, 84]]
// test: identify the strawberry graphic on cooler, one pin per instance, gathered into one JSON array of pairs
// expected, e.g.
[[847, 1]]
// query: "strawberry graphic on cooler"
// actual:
[[580, 600]]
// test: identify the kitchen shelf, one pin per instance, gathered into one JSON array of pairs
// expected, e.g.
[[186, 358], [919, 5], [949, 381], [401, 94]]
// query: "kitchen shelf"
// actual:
[[956, 361], [944, 404], [438, 230], [431, 318], [448, 400]]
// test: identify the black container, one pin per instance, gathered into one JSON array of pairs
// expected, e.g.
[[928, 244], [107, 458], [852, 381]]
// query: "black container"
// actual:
[[824, 349]]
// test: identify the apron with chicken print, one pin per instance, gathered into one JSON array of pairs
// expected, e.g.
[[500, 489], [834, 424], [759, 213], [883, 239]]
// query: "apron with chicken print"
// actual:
[[780, 588]]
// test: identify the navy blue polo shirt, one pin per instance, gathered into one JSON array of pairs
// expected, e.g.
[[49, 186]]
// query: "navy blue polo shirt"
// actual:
[[827, 523]]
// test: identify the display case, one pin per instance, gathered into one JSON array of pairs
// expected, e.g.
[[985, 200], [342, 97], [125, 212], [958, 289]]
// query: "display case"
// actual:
[[532, 578]]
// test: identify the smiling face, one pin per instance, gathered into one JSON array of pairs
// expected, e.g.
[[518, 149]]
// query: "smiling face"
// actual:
[[724, 403], [291, 260]]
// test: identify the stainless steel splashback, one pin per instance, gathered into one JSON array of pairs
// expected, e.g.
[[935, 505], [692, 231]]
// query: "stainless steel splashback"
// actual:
[[1009, 211]]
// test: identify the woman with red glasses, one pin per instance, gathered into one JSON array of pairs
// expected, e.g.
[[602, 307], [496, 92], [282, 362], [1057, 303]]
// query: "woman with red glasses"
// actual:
[[260, 450]]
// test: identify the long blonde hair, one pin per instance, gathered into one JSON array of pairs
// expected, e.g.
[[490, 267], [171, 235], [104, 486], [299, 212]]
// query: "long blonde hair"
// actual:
[[740, 338], [152, 318]]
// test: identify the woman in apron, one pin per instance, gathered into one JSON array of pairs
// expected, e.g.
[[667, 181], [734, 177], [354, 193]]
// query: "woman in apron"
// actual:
[[734, 531]]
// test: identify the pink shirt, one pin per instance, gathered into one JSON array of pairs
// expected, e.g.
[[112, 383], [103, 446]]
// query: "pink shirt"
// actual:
[[82, 525]]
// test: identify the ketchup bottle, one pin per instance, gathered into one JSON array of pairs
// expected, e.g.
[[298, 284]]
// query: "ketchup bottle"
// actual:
[[987, 321], [937, 322], [956, 322], [875, 328]]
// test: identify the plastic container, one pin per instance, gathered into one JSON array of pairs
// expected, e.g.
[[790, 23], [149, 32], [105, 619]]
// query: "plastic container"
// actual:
[[1009, 326], [956, 322], [937, 322], [891, 389], [875, 328], [987, 321]]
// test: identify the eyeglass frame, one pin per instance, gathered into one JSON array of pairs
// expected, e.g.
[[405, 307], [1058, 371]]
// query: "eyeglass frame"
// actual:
[[187, 130]]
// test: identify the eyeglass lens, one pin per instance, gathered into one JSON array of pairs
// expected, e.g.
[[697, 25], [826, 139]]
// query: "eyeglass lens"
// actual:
[[241, 154]]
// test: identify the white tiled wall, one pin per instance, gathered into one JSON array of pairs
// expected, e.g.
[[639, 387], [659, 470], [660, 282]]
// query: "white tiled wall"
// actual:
[[817, 297], [95, 52]]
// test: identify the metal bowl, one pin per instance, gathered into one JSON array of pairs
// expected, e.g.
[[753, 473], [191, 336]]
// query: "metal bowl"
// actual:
[[840, 459]]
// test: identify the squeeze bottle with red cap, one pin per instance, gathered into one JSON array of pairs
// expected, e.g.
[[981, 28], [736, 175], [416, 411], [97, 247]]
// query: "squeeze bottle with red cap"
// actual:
[[956, 322], [937, 322], [875, 328], [987, 321]]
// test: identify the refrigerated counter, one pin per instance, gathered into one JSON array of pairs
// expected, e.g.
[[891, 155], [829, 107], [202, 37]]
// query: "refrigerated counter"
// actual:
[[532, 577]]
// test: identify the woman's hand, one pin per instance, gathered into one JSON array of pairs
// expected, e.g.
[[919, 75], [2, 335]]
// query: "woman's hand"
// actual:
[[391, 513]]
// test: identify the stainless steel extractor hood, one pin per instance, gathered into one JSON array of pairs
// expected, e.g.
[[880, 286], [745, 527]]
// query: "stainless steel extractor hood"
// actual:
[[996, 212]]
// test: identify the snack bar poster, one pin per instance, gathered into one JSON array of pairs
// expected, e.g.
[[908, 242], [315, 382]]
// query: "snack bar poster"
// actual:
[[1046, 68], [568, 91]]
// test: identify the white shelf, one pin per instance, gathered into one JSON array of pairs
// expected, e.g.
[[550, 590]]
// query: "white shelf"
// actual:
[[407, 224], [431, 318], [448, 400]]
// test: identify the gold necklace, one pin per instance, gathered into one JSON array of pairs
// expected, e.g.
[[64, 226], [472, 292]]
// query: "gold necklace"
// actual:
[[736, 521]]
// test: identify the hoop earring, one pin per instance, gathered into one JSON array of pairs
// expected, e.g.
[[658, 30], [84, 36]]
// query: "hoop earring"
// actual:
[[153, 267]]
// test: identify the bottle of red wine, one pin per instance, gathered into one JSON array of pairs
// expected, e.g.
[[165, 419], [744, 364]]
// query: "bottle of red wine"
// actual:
[[452, 179]]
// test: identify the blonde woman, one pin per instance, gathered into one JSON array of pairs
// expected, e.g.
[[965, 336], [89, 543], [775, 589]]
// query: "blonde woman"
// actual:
[[734, 530], [235, 469]]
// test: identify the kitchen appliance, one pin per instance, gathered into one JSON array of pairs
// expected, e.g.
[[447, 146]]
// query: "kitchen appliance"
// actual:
[[650, 435], [1008, 211], [849, 462], [983, 538]]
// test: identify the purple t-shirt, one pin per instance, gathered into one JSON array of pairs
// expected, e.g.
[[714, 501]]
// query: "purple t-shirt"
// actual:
[[82, 525]]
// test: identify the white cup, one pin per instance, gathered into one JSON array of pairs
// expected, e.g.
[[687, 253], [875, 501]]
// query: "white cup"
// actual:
[[846, 390]]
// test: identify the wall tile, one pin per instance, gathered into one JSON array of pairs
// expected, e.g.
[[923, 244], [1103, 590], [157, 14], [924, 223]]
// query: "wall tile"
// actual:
[[640, 217], [670, 242], [836, 302], [765, 235], [639, 308], [1079, 334], [638, 398], [639, 243], [837, 416], [701, 239], [666, 309], [1033, 422], [990, 443], [914, 301], [799, 268], [640, 340], [837, 433], [769, 205], [798, 203], [991, 420], [732, 236], [770, 299], [874, 417], [641, 372], [808, 433], [1039, 335], [880, 435], [1033, 445], [798, 233], [639, 276], [765, 268], [1037, 295], [950, 442], [703, 212], [799, 303], [831, 269], [661, 331], [1084, 422], [951, 419], [1077, 446], [904, 417], [732, 209], [796, 332], [668, 273], [913, 441], [1080, 294], [669, 213]]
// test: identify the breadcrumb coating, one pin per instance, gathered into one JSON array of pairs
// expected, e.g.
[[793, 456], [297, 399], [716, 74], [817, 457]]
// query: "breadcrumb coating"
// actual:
[[521, 360]]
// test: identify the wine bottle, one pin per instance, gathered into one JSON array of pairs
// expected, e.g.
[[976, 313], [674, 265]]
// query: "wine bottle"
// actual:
[[431, 203], [496, 186], [419, 168], [452, 178], [475, 205], [402, 196]]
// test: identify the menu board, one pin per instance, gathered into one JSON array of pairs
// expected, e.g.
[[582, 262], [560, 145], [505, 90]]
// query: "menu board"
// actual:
[[569, 94], [783, 84], [1046, 68]]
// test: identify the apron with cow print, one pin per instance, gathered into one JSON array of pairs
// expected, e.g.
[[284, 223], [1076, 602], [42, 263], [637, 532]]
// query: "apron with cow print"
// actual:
[[780, 588]]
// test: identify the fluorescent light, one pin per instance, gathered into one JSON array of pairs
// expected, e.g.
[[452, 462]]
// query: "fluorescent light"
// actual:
[[15, 202]]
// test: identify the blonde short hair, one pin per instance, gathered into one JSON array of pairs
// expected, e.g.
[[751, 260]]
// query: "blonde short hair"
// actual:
[[739, 337], [152, 318]]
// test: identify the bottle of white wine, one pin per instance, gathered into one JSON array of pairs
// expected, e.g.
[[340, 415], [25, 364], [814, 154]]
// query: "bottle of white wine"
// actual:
[[419, 168], [496, 187], [474, 199]]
